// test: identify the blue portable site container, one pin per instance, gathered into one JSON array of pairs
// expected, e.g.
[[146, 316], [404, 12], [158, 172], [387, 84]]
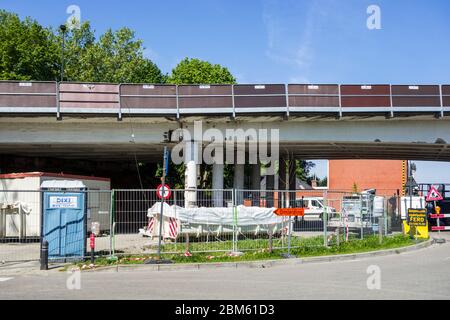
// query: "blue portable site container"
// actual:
[[64, 218]]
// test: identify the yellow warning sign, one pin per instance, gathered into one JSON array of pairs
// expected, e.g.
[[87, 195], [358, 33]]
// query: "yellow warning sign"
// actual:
[[416, 224]]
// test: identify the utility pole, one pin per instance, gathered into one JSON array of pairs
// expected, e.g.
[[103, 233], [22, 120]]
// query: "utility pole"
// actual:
[[63, 29]]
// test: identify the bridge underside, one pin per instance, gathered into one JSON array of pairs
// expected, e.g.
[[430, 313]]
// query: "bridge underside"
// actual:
[[108, 139], [153, 153]]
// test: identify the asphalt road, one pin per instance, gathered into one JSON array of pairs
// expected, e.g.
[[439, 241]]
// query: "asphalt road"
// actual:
[[421, 274]]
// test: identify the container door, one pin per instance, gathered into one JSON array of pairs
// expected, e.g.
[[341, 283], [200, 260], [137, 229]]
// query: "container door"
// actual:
[[64, 225]]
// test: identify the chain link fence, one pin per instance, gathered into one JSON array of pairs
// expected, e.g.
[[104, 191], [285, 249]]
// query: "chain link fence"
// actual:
[[128, 222]]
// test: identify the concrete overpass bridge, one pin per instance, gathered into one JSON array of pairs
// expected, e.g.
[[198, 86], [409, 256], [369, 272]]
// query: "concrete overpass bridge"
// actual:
[[330, 121], [315, 121]]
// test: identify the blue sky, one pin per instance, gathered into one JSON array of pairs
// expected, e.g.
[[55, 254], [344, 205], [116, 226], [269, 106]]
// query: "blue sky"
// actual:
[[268, 41]]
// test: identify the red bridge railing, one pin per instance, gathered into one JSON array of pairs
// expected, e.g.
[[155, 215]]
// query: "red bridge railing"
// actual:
[[73, 98]]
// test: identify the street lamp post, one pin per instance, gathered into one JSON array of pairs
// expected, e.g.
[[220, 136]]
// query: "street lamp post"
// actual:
[[63, 29]]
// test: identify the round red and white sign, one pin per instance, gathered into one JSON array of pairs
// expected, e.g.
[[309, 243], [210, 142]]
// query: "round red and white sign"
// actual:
[[159, 192]]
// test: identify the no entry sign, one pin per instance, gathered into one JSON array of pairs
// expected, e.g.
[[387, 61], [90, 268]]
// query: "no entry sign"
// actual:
[[159, 191]]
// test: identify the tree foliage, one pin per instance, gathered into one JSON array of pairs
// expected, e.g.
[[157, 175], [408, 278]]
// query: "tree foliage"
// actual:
[[27, 51], [195, 71], [303, 170], [115, 57]]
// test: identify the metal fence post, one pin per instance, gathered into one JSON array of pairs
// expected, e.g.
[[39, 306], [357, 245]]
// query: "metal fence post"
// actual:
[[361, 217], [325, 218], [233, 205], [380, 229], [113, 222], [270, 240], [289, 237], [385, 220], [338, 233], [110, 222]]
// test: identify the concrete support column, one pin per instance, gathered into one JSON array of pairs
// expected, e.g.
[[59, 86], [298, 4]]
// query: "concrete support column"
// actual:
[[255, 184], [217, 183], [190, 175], [282, 183], [256, 177], [292, 182], [238, 182], [270, 183]]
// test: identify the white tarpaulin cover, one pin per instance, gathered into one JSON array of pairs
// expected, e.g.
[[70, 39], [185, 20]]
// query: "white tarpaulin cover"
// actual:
[[246, 216]]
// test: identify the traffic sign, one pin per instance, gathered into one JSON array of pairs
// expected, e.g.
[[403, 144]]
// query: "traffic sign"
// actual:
[[433, 195], [417, 217], [167, 191], [290, 212]]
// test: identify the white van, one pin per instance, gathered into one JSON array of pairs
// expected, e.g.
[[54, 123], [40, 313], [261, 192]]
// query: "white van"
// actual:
[[314, 208]]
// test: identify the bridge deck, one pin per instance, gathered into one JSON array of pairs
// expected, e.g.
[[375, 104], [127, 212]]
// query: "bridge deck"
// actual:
[[60, 98]]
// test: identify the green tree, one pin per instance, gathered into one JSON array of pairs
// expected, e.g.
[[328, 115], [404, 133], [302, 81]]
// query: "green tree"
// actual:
[[195, 71], [27, 51], [115, 57], [303, 170], [323, 182]]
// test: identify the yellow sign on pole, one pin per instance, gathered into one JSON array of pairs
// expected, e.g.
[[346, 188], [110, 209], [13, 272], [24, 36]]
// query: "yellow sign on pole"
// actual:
[[416, 223]]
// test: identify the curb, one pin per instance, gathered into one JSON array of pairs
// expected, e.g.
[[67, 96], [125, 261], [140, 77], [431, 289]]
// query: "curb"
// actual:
[[263, 263]]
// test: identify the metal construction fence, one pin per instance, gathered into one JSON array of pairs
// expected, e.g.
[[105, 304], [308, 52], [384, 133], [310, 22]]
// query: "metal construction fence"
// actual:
[[127, 222]]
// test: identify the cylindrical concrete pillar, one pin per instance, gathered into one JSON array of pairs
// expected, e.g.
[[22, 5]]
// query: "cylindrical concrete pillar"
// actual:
[[270, 182], [256, 177], [282, 183], [292, 183], [256, 184], [190, 176], [238, 182], [217, 184]]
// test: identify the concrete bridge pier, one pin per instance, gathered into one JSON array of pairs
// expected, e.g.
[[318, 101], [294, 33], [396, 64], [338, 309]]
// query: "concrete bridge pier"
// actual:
[[190, 177], [292, 180], [255, 176], [282, 183], [217, 184], [238, 182]]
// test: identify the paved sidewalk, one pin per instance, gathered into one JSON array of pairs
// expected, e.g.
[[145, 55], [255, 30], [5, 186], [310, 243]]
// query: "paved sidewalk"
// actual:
[[330, 280]]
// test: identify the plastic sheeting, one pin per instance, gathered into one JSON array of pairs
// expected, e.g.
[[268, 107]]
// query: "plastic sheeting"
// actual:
[[246, 216]]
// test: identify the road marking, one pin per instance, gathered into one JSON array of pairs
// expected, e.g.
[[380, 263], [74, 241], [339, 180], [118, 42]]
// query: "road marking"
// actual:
[[5, 279]]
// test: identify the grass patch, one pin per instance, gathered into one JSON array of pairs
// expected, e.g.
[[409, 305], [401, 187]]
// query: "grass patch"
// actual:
[[302, 247]]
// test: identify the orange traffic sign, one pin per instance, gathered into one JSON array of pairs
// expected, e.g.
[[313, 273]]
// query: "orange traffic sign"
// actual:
[[290, 212]]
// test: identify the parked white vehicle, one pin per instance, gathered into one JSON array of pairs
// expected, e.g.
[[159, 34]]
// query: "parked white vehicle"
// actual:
[[314, 208]]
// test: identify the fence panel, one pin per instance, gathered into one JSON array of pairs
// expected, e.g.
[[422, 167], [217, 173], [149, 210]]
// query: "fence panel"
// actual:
[[126, 222], [98, 220], [20, 215]]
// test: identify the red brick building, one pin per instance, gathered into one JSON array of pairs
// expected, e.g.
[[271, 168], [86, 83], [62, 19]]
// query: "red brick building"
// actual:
[[387, 176]]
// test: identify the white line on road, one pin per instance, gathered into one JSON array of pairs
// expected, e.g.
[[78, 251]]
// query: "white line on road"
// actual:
[[5, 279]]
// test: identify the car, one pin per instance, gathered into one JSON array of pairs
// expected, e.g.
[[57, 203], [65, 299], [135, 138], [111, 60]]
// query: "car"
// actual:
[[314, 208]]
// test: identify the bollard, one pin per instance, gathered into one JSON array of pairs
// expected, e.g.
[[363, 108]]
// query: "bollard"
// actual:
[[44, 255], [92, 243]]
